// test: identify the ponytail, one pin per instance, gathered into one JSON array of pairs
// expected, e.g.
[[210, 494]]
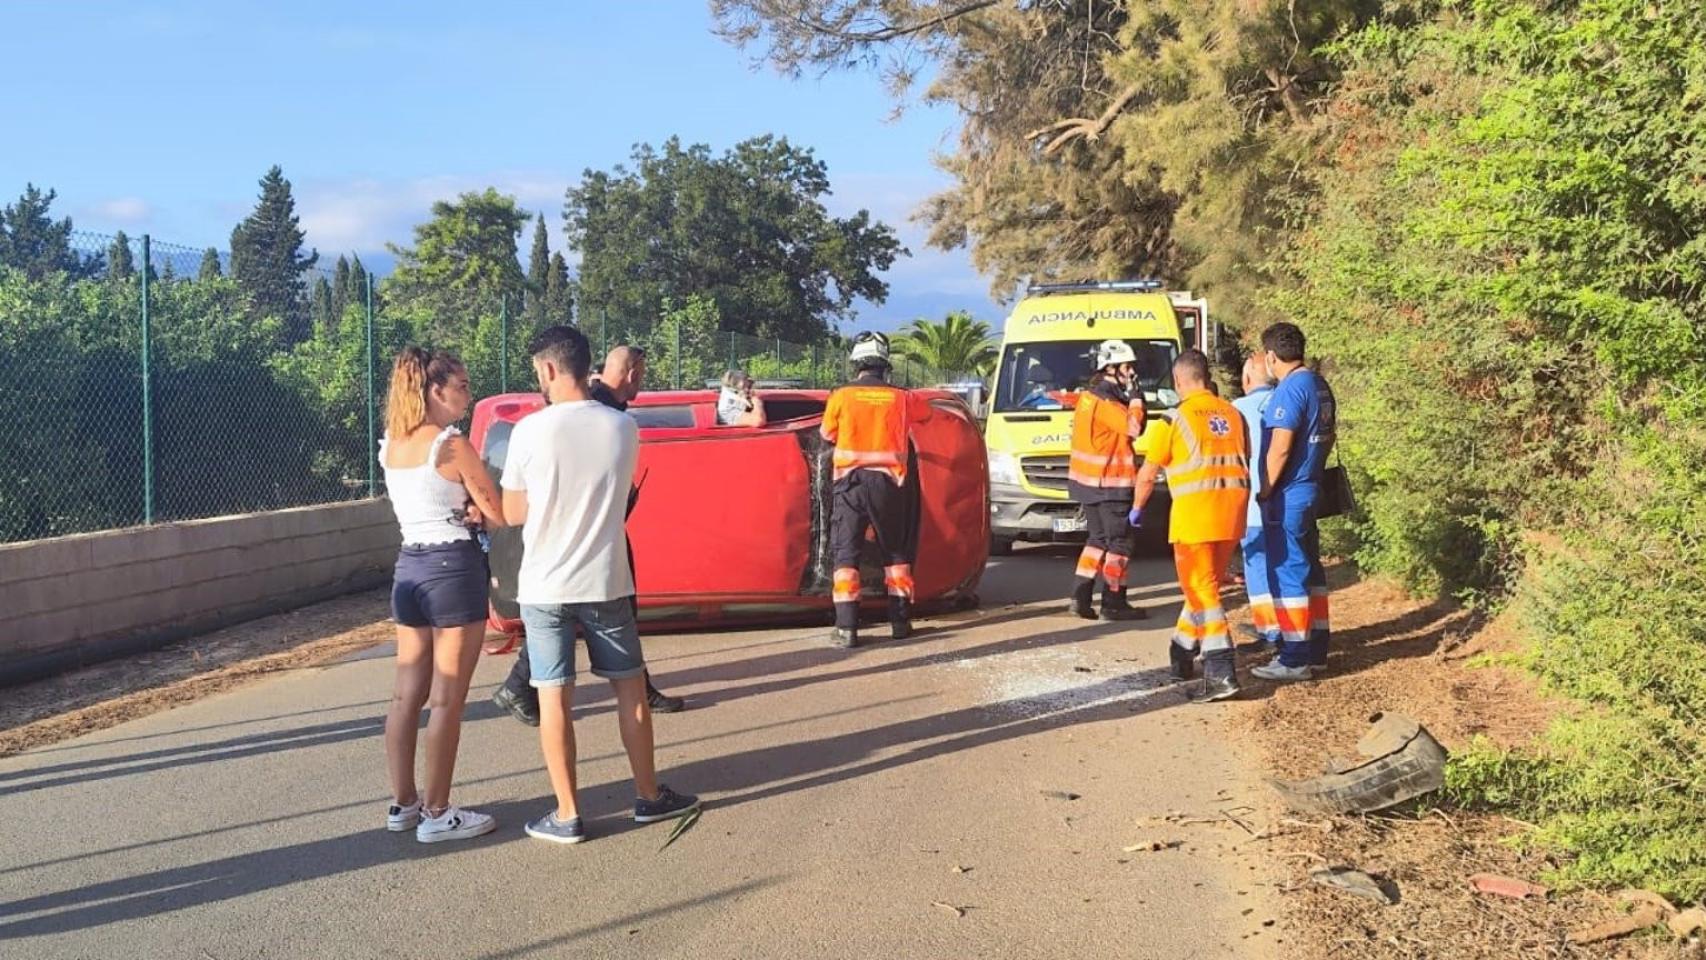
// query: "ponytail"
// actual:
[[413, 374]]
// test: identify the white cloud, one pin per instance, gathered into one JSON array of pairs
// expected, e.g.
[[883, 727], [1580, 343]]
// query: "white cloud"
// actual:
[[363, 215], [366, 214], [122, 210]]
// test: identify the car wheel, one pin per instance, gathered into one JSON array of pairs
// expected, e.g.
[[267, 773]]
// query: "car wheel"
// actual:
[[1000, 547]]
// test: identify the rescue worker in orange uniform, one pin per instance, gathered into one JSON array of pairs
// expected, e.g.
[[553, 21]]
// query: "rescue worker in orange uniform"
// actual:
[[868, 420], [1101, 475], [1205, 450]]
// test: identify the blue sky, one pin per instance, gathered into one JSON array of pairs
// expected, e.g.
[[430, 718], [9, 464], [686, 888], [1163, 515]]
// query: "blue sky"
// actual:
[[160, 117]]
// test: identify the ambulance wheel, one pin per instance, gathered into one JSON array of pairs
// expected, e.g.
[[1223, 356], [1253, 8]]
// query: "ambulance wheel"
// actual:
[[1000, 546]]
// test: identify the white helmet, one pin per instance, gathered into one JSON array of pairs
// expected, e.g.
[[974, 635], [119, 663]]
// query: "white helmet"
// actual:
[[870, 349], [1111, 352]]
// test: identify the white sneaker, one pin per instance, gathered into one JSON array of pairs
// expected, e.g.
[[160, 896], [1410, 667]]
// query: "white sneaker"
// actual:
[[402, 817], [1281, 673], [454, 823]]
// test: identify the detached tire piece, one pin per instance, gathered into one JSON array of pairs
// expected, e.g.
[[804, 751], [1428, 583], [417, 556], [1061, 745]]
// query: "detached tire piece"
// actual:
[[1404, 762]]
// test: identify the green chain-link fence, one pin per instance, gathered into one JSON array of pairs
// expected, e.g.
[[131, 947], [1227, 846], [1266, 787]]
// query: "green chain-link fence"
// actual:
[[146, 385]]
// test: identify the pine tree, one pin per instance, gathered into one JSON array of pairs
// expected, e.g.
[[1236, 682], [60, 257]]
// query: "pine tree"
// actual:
[[210, 269], [340, 289], [32, 242], [120, 265], [168, 273], [559, 296], [267, 259], [538, 278]]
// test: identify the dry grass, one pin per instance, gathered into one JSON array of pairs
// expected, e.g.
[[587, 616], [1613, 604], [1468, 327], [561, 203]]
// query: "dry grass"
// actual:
[[1395, 654]]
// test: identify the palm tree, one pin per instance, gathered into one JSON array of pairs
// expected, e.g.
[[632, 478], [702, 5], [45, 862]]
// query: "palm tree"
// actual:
[[957, 345]]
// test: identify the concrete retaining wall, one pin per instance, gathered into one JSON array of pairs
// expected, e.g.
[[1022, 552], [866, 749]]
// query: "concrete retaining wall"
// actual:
[[75, 600]]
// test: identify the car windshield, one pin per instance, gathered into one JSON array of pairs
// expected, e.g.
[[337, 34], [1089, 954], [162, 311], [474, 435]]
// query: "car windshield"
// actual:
[[1043, 376], [679, 415]]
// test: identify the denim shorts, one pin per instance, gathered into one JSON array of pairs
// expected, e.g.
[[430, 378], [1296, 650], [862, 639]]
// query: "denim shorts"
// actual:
[[612, 640], [440, 585]]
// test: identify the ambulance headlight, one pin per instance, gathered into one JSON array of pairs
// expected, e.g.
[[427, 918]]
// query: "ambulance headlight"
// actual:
[[1003, 468]]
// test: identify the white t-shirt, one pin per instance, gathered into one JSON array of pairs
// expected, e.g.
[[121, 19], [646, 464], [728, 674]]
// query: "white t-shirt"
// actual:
[[576, 462], [731, 406]]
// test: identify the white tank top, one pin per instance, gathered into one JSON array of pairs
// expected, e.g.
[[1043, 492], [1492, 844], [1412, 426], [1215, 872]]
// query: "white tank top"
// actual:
[[425, 502]]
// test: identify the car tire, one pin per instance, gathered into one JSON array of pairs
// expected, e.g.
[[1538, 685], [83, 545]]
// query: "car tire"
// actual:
[[1000, 547]]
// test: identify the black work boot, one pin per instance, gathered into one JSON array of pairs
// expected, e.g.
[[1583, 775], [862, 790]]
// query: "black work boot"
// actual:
[[1220, 678], [1083, 598], [661, 702], [900, 617], [1114, 607], [1180, 662], [522, 706], [846, 632]]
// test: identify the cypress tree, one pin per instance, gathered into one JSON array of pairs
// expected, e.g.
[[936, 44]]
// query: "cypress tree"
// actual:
[[210, 269], [559, 298], [267, 259], [538, 277], [324, 320], [357, 281], [120, 265], [340, 290]]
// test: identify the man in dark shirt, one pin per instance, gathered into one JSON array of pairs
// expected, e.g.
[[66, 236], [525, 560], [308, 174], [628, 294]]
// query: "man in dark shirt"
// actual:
[[615, 386]]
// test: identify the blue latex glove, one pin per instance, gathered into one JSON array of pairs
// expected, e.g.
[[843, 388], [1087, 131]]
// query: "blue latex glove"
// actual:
[[1135, 517]]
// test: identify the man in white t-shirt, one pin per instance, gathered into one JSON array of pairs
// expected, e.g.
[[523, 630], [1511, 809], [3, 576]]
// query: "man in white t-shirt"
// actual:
[[565, 482]]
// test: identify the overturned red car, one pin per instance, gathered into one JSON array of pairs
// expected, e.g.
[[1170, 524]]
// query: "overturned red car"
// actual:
[[731, 524]]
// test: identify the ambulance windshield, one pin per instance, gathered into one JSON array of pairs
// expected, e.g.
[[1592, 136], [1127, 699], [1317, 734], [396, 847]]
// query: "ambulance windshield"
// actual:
[[1045, 375]]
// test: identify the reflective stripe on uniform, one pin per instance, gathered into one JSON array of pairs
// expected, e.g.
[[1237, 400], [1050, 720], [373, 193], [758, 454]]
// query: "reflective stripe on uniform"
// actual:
[[1114, 569], [1089, 561], [847, 585], [898, 579]]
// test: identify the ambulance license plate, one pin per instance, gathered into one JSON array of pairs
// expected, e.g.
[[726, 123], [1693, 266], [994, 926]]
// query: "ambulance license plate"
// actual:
[[1069, 524]]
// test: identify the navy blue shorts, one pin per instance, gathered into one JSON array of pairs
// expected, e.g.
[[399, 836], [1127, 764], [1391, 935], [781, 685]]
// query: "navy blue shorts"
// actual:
[[442, 585]]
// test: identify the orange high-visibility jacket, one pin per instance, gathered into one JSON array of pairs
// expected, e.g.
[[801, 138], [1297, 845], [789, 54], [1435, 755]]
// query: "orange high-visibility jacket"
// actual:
[[1102, 432], [867, 421], [1205, 449]]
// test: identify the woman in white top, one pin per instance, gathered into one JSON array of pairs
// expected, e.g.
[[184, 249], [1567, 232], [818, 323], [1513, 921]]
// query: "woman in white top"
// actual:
[[440, 491], [736, 404]]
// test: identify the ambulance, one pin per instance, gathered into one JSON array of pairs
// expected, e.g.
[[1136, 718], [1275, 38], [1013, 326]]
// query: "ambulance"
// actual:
[[1048, 352]]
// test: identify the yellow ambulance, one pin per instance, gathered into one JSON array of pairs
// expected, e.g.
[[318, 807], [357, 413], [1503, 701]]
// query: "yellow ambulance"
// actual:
[[1048, 352]]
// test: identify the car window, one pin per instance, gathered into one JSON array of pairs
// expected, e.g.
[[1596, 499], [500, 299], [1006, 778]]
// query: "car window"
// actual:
[[674, 415], [496, 445]]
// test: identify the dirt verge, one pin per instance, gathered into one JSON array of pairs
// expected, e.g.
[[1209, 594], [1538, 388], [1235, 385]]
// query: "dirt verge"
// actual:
[[107, 694], [1396, 654]]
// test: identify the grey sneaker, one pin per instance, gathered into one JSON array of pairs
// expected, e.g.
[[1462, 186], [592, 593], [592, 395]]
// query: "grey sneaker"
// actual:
[[454, 823], [550, 828], [1280, 673], [667, 806], [402, 816]]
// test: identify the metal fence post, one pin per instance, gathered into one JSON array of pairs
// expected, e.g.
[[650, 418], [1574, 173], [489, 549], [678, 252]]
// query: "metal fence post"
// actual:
[[677, 331], [814, 382], [503, 344], [732, 364], [603, 331], [778, 356], [147, 390], [372, 409]]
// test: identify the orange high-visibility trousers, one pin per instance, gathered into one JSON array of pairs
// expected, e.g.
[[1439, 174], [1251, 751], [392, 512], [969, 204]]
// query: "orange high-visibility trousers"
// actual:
[[1202, 621]]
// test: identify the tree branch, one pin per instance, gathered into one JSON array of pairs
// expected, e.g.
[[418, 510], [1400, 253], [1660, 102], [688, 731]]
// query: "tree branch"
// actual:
[[1064, 132], [893, 31]]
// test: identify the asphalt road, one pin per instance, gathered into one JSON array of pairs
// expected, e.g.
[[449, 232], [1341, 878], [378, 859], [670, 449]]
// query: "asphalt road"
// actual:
[[905, 800]]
